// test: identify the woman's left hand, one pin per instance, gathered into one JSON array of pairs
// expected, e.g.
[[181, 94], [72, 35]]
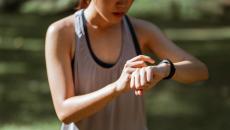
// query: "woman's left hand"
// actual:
[[142, 79]]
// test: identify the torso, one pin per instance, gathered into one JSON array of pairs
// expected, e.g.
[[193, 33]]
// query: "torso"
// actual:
[[116, 114]]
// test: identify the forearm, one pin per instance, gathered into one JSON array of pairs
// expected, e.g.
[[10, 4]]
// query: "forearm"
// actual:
[[190, 71], [78, 107]]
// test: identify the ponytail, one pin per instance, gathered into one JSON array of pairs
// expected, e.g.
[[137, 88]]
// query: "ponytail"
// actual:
[[82, 4]]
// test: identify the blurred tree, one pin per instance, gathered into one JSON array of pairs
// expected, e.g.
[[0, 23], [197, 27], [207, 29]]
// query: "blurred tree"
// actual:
[[175, 7], [10, 5], [48, 6], [37, 6], [226, 7], [210, 9]]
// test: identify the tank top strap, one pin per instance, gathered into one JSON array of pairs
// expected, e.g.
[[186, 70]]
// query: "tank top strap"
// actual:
[[134, 36], [78, 24], [79, 34]]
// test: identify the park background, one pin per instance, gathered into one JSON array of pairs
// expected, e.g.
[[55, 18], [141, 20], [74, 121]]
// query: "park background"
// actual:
[[201, 27]]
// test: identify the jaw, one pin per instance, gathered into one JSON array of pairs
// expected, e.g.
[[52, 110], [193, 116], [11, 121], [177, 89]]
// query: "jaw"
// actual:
[[97, 19]]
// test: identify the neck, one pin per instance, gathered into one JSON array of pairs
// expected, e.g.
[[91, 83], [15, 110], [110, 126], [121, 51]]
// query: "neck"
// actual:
[[95, 20]]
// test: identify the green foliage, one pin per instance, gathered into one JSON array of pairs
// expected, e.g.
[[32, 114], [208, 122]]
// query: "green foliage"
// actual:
[[47, 7], [48, 125], [177, 9]]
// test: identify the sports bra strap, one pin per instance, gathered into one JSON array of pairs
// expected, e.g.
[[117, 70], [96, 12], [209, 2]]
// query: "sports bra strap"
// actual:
[[134, 37]]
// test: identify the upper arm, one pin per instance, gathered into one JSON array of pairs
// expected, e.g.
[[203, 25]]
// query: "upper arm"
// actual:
[[58, 64], [157, 43]]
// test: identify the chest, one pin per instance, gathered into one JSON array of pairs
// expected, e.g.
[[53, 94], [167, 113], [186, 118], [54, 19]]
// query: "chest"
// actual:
[[107, 45]]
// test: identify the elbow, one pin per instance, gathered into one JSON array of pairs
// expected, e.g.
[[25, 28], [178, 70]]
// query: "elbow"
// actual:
[[63, 117], [202, 75], [67, 117], [64, 114]]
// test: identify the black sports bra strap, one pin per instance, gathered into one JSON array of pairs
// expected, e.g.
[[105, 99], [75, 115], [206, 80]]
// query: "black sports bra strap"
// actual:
[[134, 37]]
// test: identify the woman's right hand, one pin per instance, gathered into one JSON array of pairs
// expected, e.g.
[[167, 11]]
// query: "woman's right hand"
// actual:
[[123, 83]]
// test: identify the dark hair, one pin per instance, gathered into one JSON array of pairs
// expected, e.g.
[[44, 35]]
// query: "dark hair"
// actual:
[[82, 4]]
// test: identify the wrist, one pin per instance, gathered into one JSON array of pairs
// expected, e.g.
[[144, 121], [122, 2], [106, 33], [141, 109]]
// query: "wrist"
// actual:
[[163, 69], [171, 67], [116, 89]]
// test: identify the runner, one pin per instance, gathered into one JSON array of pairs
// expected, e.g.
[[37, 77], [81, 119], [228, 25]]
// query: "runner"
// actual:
[[97, 70]]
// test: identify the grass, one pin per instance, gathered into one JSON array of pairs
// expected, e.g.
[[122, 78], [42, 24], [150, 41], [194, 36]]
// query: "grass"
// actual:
[[49, 125]]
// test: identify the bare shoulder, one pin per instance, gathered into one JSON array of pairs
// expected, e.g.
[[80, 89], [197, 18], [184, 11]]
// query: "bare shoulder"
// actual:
[[61, 33], [62, 26], [143, 25], [145, 31]]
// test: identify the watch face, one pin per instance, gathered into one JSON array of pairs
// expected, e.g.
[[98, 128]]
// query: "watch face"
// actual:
[[165, 61]]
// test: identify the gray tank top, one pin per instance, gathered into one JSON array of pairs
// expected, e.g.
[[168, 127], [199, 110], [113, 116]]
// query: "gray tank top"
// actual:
[[90, 74]]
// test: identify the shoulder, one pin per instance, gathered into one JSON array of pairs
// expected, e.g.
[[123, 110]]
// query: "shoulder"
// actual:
[[61, 34], [142, 25], [63, 27], [145, 30]]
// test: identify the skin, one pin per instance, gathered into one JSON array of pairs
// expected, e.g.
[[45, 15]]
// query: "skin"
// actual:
[[104, 23]]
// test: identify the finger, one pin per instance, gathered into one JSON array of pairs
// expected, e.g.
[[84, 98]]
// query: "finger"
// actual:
[[139, 92], [137, 79], [129, 70], [132, 82], [149, 74], [142, 77], [136, 92], [137, 64], [143, 58]]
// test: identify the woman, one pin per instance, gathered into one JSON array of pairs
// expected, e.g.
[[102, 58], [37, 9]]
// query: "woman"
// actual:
[[96, 71]]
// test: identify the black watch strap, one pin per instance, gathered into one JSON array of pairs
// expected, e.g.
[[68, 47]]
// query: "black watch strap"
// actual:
[[172, 68]]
